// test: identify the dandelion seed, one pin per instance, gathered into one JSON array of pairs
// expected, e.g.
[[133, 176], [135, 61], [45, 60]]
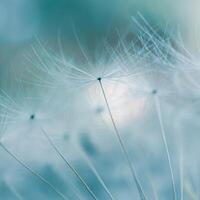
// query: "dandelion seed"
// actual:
[[85, 79]]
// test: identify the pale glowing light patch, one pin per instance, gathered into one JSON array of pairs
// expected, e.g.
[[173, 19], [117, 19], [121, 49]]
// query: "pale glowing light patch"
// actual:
[[125, 106]]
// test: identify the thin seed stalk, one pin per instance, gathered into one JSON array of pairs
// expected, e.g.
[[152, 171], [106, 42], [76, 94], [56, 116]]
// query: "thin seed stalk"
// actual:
[[75, 172], [31, 171], [163, 134], [123, 148]]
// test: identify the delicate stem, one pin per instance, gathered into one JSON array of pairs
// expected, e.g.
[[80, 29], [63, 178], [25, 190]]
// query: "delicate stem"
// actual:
[[70, 166], [98, 177], [14, 191], [181, 164], [181, 175], [123, 148], [154, 190], [31, 171], [157, 102]]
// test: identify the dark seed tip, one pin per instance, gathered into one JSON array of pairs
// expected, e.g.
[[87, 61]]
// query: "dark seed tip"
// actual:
[[32, 116], [154, 91]]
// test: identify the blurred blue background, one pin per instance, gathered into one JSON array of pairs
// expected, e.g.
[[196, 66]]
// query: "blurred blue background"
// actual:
[[25, 22]]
